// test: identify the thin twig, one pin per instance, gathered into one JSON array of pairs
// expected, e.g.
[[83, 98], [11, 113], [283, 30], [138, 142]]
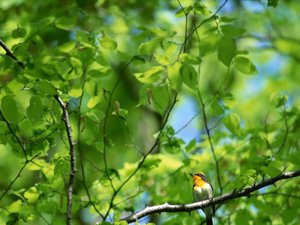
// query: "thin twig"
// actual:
[[79, 146], [207, 19], [187, 123], [186, 14], [205, 120], [15, 136], [217, 200], [72, 158], [141, 163], [286, 133], [10, 54], [105, 124], [18, 175]]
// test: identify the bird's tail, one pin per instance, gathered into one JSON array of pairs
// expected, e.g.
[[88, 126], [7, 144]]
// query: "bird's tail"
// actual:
[[208, 213], [209, 221]]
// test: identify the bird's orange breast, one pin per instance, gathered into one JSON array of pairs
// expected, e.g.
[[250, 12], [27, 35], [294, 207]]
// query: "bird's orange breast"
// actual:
[[198, 182]]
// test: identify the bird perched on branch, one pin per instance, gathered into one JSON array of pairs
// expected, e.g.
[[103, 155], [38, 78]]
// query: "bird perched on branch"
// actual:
[[203, 190]]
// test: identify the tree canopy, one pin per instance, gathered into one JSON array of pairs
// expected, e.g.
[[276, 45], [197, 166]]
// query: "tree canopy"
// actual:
[[106, 107]]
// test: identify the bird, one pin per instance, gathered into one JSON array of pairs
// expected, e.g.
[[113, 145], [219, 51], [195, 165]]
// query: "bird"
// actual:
[[202, 190]]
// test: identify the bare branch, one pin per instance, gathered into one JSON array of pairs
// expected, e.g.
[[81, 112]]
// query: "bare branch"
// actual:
[[10, 54], [72, 158], [217, 200]]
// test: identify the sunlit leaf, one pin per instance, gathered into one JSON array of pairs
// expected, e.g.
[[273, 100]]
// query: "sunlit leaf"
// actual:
[[108, 43], [147, 48], [66, 22], [97, 70], [66, 47], [244, 65], [31, 195], [16, 206], [232, 123], [174, 77], [154, 74], [93, 101]]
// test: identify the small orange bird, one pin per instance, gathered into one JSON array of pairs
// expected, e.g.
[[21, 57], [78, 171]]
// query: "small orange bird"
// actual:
[[203, 190]]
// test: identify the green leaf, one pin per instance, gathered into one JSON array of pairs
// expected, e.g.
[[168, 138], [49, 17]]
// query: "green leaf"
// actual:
[[62, 167], [174, 77], [45, 87], [183, 11], [232, 123], [226, 19], [10, 109], [189, 59], [108, 43], [47, 206], [16, 206], [189, 76], [32, 195], [244, 65], [151, 163], [19, 33], [272, 3], [66, 22], [67, 47], [35, 110], [208, 45], [147, 48], [279, 99], [294, 158], [160, 98], [3, 128], [231, 31], [226, 51], [97, 70], [152, 75], [191, 145], [113, 172], [93, 101]]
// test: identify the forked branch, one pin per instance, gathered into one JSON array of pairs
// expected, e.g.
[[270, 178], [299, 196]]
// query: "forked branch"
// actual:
[[66, 120]]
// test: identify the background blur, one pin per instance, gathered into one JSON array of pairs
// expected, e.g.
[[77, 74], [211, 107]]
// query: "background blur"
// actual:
[[118, 65]]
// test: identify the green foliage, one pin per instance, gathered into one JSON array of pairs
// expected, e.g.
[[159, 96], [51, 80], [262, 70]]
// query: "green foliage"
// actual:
[[125, 71]]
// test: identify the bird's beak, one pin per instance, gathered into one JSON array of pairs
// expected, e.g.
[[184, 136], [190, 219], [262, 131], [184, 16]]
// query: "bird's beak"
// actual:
[[192, 174]]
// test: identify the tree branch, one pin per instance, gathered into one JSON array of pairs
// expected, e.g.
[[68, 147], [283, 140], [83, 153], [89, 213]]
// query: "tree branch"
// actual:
[[10, 54], [72, 158], [207, 19], [217, 200], [14, 135]]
